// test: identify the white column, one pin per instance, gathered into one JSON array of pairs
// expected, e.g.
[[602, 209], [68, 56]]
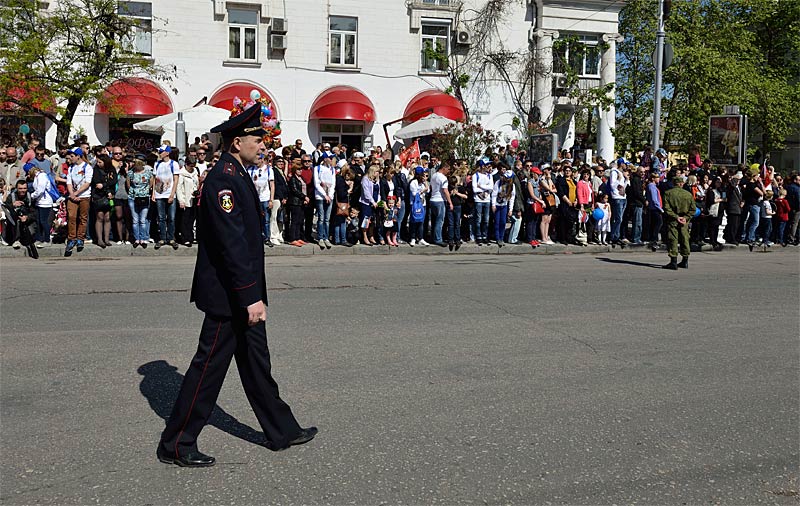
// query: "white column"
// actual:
[[608, 74], [543, 82]]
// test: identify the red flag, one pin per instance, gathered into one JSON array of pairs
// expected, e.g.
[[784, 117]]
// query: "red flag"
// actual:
[[766, 174], [409, 153]]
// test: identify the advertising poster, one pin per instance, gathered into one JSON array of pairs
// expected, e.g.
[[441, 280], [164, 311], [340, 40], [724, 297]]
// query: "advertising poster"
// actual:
[[726, 135]]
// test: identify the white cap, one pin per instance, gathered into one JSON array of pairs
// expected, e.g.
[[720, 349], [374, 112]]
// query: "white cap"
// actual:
[[341, 163], [358, 154], [424, 154]]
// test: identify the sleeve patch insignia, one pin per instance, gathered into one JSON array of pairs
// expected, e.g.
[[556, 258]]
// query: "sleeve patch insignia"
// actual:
[[225, 198], [229, 169]]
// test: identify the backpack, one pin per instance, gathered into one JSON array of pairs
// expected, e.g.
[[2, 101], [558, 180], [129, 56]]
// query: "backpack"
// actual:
[[53, 190], [417, 209], [605, 188]]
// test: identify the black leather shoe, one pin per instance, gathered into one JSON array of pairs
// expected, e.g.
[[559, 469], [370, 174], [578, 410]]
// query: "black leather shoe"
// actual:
[[304, 436], [684, 263], [191, 459]]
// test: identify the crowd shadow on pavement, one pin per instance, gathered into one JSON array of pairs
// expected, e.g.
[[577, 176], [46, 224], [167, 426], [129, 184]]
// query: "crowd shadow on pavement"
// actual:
[[628, 262], [160, 385]]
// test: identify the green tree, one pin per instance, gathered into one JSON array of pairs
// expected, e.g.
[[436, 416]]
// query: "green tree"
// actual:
[[741, 52], [69, 54], [635, 74]]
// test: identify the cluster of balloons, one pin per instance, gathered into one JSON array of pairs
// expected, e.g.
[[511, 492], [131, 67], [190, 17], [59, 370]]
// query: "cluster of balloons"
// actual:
[[268, 120]]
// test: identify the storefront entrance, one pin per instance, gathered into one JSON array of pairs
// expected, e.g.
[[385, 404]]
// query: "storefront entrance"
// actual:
[[350, 134], [121, 130]]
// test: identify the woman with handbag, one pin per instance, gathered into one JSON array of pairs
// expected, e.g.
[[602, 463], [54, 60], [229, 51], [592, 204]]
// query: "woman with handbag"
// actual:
[[370, 195], [344, 188], [104, 184], [547, 188], [139, 183], [535, 207]]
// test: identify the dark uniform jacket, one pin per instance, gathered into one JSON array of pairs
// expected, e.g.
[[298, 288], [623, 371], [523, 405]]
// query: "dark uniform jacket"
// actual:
[[734, 194], [229, 273]]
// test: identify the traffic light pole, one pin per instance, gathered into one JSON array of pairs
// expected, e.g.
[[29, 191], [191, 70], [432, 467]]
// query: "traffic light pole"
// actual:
[[659, 64]]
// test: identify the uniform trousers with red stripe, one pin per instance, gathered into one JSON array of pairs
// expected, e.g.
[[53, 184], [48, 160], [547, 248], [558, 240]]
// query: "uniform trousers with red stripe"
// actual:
[[221, 340]]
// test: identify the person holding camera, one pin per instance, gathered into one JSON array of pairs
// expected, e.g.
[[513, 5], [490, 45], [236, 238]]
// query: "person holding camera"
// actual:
[[19, 228], [140, 185]]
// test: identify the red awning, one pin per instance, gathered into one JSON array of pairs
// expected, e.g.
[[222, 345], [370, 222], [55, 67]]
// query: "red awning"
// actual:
[[223, 98], [134, 97], [434, 101], [39, 98], [342, 102]]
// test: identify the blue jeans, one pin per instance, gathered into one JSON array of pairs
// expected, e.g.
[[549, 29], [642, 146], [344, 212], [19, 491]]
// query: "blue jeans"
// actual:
[[401, 214], [416, 228], [266, 211], [437, 219], [141, 225], [516, 225], [617, 210], [323, 219], [482, 220], [752, 222], [637, 224], [339, 229], [166, 219], [766, 230], [500, 216], [44, 222], [454, 224]]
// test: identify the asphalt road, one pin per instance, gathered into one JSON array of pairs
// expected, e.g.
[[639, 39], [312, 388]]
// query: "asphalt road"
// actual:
[[591, 379]]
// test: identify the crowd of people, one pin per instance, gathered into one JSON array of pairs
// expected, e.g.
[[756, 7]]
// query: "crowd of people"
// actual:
[[333, 197]]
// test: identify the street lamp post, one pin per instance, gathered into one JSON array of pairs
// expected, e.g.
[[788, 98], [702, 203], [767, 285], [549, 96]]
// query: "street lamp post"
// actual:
[[659, 64]]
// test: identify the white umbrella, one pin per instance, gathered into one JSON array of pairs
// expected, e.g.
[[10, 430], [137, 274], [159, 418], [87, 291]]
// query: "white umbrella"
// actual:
[[198, 120], [423, 127]]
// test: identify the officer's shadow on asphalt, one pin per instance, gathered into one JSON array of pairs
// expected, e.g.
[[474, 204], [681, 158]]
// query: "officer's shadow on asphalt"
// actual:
[[628, 262], [160, 385]]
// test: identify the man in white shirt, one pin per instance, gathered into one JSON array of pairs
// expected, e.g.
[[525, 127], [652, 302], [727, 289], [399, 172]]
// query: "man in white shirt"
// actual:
[[264, 180], [440, 202], [79, 182], [324, 193], [165, 183], [202, 162], [482, 187]]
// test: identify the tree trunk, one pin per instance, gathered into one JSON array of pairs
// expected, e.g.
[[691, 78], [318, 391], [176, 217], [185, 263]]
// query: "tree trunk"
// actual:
[[65, 123]]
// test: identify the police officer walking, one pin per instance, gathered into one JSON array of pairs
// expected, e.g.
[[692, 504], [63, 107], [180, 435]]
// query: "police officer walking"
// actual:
[[229, 285], [679, 209]]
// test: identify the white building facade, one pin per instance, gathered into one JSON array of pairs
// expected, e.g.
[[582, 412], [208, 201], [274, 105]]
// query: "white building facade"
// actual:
[[337, 71]]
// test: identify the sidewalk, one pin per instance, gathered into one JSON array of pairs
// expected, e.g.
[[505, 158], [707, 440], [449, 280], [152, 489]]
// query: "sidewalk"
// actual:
[[92, 251]]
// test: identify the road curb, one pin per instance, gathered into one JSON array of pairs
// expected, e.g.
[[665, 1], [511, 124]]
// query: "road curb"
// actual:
[[91, 251]]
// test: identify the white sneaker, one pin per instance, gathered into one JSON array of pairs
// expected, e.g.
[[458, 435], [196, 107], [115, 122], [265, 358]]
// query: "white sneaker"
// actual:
[[549, 242], [423, 242], [16, 245], [412, 242]]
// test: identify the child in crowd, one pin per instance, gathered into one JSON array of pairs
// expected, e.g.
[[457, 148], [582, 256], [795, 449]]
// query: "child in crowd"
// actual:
[[353, 226], [604, 225], [782, 210], [390, 221], [767, 212]]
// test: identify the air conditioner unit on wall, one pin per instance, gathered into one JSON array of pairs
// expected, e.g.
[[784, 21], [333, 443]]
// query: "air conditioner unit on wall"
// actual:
[[277, 42], [280, 25], [562, 82], [463, 38]]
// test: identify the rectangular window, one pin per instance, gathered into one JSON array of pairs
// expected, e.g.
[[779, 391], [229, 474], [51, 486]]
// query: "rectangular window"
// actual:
[[343, 37], [140, 39], [435, 46], [583, 57], [242, 34]]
